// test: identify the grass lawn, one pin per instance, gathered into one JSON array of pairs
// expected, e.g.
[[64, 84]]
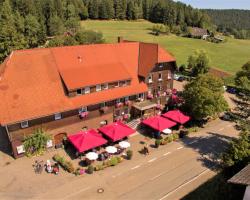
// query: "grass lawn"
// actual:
[[229, 56]]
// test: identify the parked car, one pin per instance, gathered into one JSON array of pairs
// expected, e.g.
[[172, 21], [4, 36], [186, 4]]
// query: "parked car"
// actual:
[[178, 77], [231, 90]]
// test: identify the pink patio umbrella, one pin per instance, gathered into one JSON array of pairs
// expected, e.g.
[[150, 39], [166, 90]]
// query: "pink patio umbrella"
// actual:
[[85, 140], [159, 123], [177, 116], [116, 131]]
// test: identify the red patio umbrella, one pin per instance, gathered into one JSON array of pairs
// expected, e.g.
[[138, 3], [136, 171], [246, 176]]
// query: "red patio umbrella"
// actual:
[[116, 131], [177, 116], [85, 140], [159, 123]]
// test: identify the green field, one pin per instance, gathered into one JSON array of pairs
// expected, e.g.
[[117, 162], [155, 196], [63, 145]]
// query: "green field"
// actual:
[[229, 56]]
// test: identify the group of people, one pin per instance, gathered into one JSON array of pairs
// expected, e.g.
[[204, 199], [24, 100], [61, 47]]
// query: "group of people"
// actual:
[[52, 168]]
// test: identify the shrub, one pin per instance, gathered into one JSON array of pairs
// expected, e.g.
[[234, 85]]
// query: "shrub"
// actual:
[[66, 165], [99, 167], [163, 142], [175, 136], [113, 161], [119, 159], [129, 154], [90, 169], [157, 143], [169, 138], [35, 144]]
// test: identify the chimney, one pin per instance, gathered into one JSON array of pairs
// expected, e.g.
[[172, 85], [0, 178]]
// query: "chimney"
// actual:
[[120, 39]]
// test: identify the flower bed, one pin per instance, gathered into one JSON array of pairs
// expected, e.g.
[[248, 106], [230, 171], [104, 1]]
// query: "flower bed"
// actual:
[[65, 164]]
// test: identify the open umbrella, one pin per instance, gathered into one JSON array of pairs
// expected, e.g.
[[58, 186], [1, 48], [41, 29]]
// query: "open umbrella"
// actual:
[[124, 144], [92, 156], [111, 149], [167, 131]]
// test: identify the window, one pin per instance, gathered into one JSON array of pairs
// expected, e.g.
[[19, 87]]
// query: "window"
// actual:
[[169, 75], [83, 109], [102, 104], [141, 96], [160, 66], [126, 98], [87, 90], [160, 77], [106, 86], [58, 116], [79, 92], [116, 84], [150, 78], [160, 88], [98, 88], [118, 101], [24, 124]]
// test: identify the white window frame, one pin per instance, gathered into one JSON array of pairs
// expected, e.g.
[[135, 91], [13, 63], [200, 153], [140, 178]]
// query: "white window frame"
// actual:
[[87, 90], [24, 124], [160, 77], [98, 88], [82, 109], [58, 116], [118, 84], [106, 86], [150, 78], [141, 95]]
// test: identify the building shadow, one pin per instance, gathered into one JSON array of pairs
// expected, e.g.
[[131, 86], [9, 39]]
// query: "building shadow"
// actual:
[[209, 147], [5, 145]]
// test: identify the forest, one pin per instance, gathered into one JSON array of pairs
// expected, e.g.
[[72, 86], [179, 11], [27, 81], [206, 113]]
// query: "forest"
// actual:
[[235, 22], [29, 23]]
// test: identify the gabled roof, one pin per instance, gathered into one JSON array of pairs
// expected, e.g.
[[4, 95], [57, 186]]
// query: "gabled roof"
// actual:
[[242, 177], [31, 85]]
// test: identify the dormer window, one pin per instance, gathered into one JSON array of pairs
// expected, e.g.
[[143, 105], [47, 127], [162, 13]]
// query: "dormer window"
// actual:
[[24, 124], [106, 86], [58, 116], [116, 84], [82, 109], [160, 77], [150, 78], [79, 92], [87, 90], [98, 88]]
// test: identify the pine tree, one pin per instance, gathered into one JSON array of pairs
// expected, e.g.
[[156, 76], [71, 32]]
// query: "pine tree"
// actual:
[[10, 39], [93, 9], [120, 9], [55, 26], [31, 30]]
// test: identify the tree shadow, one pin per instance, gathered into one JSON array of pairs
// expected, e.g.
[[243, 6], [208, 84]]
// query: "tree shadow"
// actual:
[[209, 147], [217, 188]]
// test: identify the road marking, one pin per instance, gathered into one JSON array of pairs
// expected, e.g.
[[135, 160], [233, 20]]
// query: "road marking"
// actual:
[[155, 177], [179, 148], [137, 166], [221, 129], [152, 160], [229, 125], [79, 191], [165, 154], [185, 183], [192, 142]]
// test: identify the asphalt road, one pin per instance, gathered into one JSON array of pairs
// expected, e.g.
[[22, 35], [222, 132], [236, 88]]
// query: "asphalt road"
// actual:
[[167, 173]]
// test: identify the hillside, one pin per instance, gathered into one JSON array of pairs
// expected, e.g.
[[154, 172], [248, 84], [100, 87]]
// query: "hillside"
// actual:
[[229, 56], [238, 19]]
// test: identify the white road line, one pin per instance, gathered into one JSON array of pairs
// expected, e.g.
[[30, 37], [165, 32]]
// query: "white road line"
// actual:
[[79, 191], [179, 148], [137, 166], [165, 154], [152, 160], [229, 125], [192, 142], [155, 177], [185, 183], [221, 129]]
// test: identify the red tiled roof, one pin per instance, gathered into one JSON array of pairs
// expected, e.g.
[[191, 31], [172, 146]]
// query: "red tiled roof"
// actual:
[[31, 86]]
